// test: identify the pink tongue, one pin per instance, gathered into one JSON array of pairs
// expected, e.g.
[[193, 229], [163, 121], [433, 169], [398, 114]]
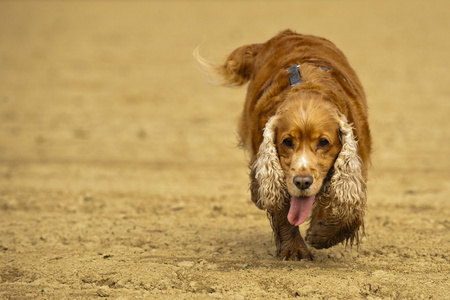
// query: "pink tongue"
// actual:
[[299, 210]]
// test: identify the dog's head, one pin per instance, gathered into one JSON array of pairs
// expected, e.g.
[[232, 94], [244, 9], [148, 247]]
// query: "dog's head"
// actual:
[[309, 148]]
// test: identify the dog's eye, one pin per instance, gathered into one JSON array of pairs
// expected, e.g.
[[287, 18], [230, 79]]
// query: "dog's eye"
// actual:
[[323, 143], [288, 143]]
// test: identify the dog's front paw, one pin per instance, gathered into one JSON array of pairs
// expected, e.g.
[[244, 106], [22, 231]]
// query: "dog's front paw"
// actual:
[[322, 236], [329, 232], [295, 254]]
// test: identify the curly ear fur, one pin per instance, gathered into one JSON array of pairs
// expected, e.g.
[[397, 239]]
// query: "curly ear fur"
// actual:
[[268, 173], [347, 186], [235, 71]]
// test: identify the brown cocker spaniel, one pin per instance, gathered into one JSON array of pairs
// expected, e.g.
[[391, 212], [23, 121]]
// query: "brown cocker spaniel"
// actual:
[[305, 125]]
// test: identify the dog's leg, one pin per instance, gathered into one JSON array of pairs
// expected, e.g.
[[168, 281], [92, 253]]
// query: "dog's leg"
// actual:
[[318, 214], [289, 242], [326, 230]]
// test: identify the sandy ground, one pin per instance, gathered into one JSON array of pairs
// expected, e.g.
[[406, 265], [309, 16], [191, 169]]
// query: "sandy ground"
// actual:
[[119, 171]]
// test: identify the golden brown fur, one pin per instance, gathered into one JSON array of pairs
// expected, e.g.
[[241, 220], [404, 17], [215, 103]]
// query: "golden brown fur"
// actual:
[[309, 143]]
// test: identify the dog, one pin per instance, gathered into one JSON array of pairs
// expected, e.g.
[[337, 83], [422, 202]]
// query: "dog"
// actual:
[[305, 125]]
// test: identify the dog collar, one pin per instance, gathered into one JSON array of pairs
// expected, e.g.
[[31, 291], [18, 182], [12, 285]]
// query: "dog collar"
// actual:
[[294, 76]]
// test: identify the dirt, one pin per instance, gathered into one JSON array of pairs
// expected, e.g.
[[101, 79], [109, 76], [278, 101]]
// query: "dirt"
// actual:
[[120, 176]]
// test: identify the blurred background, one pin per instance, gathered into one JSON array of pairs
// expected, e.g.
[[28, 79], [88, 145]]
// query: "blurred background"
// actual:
[[115, 80]]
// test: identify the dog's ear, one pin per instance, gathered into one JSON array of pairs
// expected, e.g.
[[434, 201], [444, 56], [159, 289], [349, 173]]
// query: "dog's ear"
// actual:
[[268, 173], [237, 68], [348, 186]]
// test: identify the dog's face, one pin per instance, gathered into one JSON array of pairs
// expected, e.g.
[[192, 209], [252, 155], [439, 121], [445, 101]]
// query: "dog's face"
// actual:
[[301, 143], [307, 142]]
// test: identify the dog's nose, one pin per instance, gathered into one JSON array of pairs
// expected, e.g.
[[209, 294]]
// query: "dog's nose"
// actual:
[[303, 182]]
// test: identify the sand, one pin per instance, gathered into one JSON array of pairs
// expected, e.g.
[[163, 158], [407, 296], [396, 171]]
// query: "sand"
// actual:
[[120, 175]]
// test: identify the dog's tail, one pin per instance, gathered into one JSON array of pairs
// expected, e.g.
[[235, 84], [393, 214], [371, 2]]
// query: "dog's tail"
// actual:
[[235, 71]]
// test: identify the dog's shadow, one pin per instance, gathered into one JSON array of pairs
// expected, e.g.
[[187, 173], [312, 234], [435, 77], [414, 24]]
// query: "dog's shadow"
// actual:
[[256, 244]]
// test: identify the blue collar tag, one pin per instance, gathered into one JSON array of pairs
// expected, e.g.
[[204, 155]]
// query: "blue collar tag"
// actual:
[[294, 76]]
